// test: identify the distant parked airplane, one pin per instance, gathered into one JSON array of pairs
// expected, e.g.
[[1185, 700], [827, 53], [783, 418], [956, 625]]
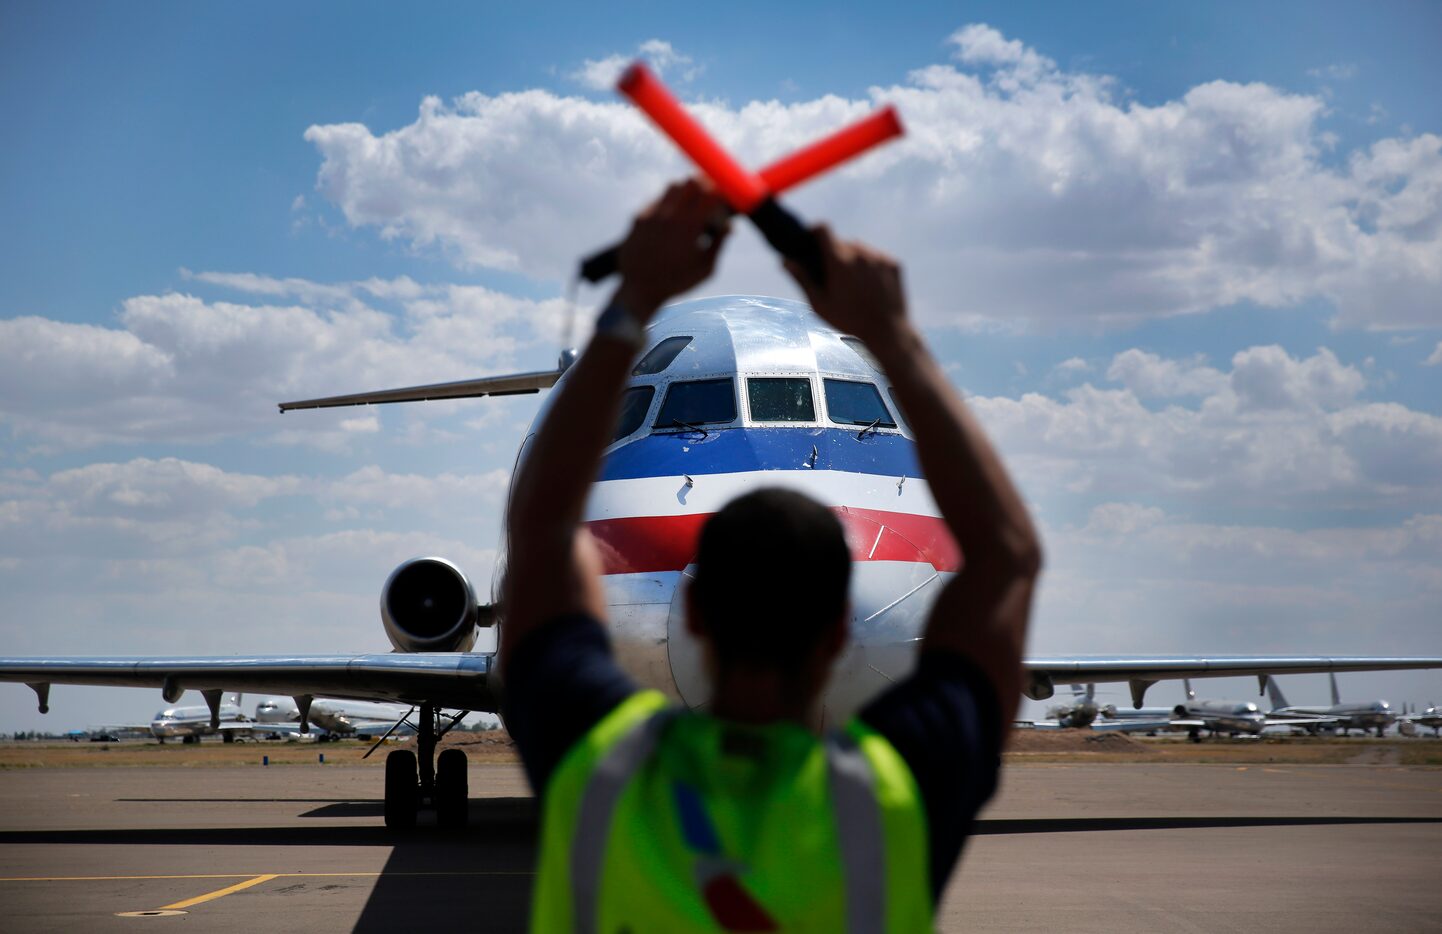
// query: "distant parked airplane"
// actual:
[[189, 724], [1358, 715], [1233, 717], [1431, 717], [338, 717]]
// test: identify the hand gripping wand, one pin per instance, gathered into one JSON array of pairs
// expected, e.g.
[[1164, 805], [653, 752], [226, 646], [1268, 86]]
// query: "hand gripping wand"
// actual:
[[752, 195]]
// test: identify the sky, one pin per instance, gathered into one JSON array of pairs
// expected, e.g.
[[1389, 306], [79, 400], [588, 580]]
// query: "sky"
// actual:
[[1184, 261]]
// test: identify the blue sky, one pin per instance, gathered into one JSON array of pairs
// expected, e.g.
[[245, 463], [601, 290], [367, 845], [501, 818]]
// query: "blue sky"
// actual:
[[1186, 259]]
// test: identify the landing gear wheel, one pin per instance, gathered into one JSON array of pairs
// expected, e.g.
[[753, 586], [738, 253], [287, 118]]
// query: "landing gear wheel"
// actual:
[[403, 793], [452, 790], [227, 737], [1194, 735]]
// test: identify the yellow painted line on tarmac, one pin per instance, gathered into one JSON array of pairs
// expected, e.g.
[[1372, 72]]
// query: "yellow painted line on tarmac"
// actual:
[[219, 893]]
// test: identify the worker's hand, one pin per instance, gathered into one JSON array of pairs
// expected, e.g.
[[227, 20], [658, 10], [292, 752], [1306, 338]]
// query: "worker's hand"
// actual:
[[863, 294], [672, 247]]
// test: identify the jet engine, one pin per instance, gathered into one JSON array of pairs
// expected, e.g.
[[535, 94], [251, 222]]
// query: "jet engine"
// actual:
[[429, 605]]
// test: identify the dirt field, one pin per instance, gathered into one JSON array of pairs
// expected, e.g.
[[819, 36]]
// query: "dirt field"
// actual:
[[1024, 748], [494, 746]]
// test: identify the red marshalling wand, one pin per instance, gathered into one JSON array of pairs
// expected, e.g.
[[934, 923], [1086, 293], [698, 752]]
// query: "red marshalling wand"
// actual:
[[752, 195]]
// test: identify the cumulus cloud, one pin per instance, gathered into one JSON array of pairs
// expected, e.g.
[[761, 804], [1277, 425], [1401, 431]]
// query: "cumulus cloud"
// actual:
[[146, 524], [1195, 585], [1151, 376], [1276, 431], [1022, 192], [600, 74], [1436, 358], [1270, 378], [1072, 366], [183, 368]]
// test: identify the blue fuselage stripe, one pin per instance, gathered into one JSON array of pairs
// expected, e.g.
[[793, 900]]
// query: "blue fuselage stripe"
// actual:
[[739, 450]]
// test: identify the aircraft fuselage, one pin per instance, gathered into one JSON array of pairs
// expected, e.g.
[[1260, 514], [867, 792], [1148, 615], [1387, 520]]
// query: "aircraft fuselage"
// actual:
[[770, 396]]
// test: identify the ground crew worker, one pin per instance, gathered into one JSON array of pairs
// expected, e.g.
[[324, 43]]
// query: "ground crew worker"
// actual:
[[741, 818]]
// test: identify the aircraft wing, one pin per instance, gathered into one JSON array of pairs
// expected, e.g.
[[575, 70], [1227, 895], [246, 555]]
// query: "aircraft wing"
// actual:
[[1143, 671], [460, 680], [512, 384], [375, 726], [1036, 725], [1100, 726], [256, 726], [1131, 726]]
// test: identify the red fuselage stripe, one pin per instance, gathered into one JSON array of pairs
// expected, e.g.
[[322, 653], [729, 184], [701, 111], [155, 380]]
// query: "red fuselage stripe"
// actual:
[[642, 544]]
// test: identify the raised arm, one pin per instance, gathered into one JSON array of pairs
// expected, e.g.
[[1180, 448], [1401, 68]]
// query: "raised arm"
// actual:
[[983, 612], [553, 567]]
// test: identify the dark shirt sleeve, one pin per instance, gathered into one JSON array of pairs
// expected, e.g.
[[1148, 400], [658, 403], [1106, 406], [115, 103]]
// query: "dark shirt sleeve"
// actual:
[[943, 721], [560, 682]]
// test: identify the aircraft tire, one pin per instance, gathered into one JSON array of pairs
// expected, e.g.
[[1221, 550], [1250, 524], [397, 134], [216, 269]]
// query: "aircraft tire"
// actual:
[[403, 790], [452, 790]]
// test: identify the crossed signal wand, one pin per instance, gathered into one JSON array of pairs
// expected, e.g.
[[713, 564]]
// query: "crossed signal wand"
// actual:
[[752, 195]]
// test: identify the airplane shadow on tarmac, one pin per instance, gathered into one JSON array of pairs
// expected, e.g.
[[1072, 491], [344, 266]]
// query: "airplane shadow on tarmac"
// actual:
[[484, 873]]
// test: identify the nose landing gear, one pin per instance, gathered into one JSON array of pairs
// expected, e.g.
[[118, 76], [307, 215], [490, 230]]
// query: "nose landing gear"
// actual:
[[419, 779]]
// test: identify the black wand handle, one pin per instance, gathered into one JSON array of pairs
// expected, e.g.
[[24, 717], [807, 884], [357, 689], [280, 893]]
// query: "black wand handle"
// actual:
[[787, 236], [601, 265], [779, 226]]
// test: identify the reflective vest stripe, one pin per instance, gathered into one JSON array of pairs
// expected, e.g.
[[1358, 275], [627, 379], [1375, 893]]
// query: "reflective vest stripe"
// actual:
[[598, 804], [859, 834]]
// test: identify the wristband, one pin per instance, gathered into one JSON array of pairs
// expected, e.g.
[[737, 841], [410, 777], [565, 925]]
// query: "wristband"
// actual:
[[619, 324]]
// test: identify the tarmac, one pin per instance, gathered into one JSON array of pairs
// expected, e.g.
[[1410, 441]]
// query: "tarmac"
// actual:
[[1084, 847]]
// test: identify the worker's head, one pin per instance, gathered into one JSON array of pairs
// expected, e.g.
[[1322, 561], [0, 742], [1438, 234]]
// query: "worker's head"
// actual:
[[770, 588]]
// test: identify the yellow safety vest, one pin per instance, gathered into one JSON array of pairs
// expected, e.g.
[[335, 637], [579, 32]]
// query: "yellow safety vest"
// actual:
[[663, 820]]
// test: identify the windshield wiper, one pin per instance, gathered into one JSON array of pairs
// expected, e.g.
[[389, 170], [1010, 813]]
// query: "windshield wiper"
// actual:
[[677, 423], [872, 427]]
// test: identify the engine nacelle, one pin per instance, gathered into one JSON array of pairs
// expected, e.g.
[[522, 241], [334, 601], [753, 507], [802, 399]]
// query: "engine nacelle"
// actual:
[[429, 605]]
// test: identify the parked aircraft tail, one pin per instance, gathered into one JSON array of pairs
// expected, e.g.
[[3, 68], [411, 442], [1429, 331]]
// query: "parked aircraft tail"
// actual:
[[1187, 686], [1274, 691], [1336, 695]]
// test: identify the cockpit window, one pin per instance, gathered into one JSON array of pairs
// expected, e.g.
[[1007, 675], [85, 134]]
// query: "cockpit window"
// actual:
[[660, 356], [897, 405], [862, 351], [635, 402], [850, 403], [780, 400], [699, 402]]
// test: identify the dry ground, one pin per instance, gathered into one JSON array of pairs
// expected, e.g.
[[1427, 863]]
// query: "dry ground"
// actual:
[[1023, 749]]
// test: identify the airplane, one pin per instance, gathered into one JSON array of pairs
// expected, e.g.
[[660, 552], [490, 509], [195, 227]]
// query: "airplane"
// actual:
[[338, 717], [189, 724], [1085, 713], [1431, 717], [1217, 716], [1079, 714], [1359, 715], [1233, 717], [732, 393]]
